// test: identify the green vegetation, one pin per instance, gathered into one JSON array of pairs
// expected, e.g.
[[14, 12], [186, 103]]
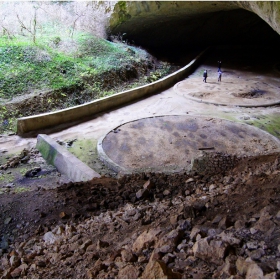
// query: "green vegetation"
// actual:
[[123, 15], [63, 72], [53, 56], [20, 190], [26, 68], [7, 178], [269, 123], [47, 151], [87, 153]]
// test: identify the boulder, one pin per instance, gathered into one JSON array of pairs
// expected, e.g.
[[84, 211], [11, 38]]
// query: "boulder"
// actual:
[[142, 194], [156, 269], [225, 222], [50, 238], [169, 241], [97, 267], [256, 254], [128, 256], [264, 224], [20, 271], [227, 269], [211, 251], [145, 240], [254, 272], [129, 272], [148, 185], [230, 238], [242, 265]]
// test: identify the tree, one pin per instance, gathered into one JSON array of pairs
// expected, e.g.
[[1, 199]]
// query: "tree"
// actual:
[[30, 18], [32, 28]]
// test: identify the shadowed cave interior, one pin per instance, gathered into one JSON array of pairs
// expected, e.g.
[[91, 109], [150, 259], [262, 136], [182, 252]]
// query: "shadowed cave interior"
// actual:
[[170, 38]]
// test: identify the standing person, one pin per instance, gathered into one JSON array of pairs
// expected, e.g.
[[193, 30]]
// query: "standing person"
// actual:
[[219, 75], [219, 65], [204, 76]]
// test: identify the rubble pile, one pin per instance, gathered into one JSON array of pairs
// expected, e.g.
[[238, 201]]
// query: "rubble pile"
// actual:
[[154, 225]]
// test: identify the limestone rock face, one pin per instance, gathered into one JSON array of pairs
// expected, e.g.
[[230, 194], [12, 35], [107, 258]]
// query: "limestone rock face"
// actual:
[[173, 24], [131, 11], [269, 11]]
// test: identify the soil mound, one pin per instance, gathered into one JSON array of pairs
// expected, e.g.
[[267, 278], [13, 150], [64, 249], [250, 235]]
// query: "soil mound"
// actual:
[[176, 226]]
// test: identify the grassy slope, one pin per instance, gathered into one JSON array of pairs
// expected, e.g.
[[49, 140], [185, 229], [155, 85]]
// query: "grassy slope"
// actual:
[[81, 65]]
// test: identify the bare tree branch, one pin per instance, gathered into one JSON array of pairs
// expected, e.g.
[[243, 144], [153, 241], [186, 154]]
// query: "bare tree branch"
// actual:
[[33, 24], [23, 25], [7, 32]]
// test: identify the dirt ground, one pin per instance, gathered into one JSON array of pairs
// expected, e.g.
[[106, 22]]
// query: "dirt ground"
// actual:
[[246, 80], [108, 216], [169, 143]]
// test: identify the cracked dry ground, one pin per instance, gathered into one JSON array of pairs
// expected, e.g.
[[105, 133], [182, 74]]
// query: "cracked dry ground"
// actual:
[[148, 226]]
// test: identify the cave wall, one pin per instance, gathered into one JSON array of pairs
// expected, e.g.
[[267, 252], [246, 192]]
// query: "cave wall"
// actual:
[[269, 11], [172, 24], [136, 11]]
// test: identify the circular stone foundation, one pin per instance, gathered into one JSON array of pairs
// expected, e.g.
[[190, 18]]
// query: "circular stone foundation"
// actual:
[[169, 143], [231, 91]]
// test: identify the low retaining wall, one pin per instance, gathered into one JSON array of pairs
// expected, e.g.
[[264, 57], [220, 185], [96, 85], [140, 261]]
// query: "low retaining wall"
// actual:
[[42, 121], [64, 161]]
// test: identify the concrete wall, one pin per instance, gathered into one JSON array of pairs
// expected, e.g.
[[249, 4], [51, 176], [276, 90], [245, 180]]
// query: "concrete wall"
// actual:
[[47, 120], [64, 161]]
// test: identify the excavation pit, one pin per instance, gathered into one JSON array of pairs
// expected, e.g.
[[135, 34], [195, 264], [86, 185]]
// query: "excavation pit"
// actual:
[[250, 78], [231, 91], [169, 143]]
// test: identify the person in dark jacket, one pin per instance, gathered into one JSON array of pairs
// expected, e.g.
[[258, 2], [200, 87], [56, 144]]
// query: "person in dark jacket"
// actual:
[[205, 76], [219, 65]]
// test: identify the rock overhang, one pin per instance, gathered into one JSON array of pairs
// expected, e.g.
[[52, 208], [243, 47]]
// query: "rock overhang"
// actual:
[[167, 26]]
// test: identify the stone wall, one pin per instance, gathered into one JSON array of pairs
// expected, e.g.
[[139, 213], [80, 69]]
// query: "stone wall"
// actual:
[[210, 163]]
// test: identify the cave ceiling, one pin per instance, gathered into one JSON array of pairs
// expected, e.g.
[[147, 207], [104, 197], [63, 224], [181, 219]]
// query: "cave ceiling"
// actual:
[[168, 26]]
